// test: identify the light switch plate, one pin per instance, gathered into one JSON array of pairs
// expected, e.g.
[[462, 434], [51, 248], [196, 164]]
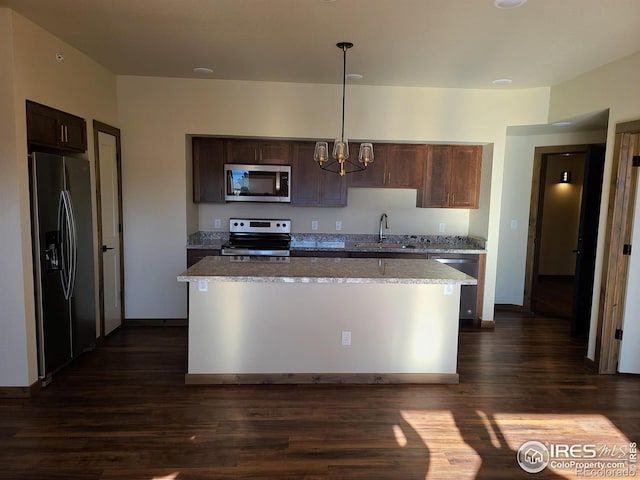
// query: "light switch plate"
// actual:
[[441, 227], [448, 289], [346, 338], [314, 224], [203, 286]]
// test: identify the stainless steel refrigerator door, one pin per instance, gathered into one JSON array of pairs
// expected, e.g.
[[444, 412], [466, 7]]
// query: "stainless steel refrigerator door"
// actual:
[[52, 308], [83, 304]]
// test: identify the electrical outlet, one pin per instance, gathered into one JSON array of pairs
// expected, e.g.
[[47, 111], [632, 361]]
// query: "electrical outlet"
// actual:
[[346, 338], [217, 223], [448, 289], [441, 227], [314, 224], [514, 224], [338, 225]]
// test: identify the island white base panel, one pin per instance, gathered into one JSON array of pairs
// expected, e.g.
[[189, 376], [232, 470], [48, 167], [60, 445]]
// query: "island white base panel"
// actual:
[[262, 332]]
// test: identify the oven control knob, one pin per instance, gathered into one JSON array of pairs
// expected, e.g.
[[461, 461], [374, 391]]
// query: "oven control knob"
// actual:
[[235, 224]]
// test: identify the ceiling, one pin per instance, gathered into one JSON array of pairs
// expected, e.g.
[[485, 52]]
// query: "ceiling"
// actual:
[[433, 43]]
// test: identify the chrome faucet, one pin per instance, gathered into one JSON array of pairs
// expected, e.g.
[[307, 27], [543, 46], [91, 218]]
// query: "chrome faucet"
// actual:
[[383, 218]]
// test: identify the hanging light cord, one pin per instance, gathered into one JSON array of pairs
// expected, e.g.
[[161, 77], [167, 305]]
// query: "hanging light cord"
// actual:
[[344, 81]]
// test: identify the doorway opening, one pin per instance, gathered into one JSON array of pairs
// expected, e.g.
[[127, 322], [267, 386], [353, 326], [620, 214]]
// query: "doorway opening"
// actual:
[[563, 230]]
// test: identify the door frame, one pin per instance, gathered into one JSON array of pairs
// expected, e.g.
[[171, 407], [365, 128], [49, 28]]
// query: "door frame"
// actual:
[[535, 214], [108, 129], [613, 286]]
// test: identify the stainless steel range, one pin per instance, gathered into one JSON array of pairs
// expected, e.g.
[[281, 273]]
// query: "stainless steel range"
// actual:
[[258, 237]]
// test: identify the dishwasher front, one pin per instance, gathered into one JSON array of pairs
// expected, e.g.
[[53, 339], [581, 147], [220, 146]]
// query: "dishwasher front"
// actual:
[[465, 263]]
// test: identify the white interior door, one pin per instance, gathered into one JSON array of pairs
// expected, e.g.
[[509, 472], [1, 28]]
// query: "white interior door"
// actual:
[[629, 361], [111, 274]]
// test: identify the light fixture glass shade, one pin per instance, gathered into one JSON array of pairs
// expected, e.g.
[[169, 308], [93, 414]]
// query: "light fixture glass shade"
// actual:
[[565, 176], [320, 154], [366, 154], [341, 150]]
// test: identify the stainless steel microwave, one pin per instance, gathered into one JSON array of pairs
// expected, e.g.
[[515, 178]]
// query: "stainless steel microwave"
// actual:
[[257, 183]]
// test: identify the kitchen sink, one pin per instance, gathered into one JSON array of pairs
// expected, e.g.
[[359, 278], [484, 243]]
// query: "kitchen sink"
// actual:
[[382, 245]]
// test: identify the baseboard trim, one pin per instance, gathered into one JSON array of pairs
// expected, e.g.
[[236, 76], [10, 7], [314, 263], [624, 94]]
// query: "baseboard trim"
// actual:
[[591, 365], [21, 392], [487, 323], [320, 378], [507, 307], [156, 322]]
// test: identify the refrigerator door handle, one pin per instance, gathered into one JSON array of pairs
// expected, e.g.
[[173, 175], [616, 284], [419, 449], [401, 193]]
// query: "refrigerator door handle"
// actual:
[[74, 242], [71, 243], [63, 244], [67, 248]]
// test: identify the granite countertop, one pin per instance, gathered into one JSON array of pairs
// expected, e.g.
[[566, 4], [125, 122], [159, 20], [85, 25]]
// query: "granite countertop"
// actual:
[[323, 270], [306, 242]]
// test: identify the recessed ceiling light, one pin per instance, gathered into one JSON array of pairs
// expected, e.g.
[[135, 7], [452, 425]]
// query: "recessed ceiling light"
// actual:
[[561, 124], [508, 3], [502, 81], [203, 70], [353, 76]]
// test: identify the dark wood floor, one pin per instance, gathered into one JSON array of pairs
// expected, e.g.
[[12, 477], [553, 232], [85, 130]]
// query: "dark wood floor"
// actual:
[[553, 295], [123, 412]]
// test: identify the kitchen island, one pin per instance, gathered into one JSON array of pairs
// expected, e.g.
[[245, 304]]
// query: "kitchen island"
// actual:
[[322, 320]]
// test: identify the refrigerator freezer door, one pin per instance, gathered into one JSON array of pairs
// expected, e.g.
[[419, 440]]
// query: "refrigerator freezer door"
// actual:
[[52, 309]]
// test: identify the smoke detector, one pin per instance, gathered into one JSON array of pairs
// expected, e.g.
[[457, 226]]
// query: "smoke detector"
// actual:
[[508, 3]]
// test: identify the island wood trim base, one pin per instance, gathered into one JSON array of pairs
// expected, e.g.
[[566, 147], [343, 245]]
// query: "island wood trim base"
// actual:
[[325, 378]]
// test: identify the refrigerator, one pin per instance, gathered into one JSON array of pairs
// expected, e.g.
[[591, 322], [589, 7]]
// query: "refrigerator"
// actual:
[[63, 259]]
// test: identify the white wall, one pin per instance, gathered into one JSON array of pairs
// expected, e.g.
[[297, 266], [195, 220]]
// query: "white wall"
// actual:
[[613, 86], [17, 335], [77, 85], [157, 113], [516, 202], [362, 215]]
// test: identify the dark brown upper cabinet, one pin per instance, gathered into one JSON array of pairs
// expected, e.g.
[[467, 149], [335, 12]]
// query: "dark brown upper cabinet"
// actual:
[[56, 129], [394, 166], [312, 186], [451, 177], [208, 169], [277, 152]]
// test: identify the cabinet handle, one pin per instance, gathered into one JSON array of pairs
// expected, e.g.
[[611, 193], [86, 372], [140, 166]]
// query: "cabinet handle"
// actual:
[[62, 133], [448, 197], [389, 179], [66, 134], [453, 198]]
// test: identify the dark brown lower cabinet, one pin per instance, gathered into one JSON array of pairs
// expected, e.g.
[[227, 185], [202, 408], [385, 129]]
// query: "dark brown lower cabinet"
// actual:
[[194, 255]]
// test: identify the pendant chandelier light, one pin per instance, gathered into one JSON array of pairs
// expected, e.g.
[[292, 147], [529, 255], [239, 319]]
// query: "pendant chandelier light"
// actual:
[[339, 162]]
